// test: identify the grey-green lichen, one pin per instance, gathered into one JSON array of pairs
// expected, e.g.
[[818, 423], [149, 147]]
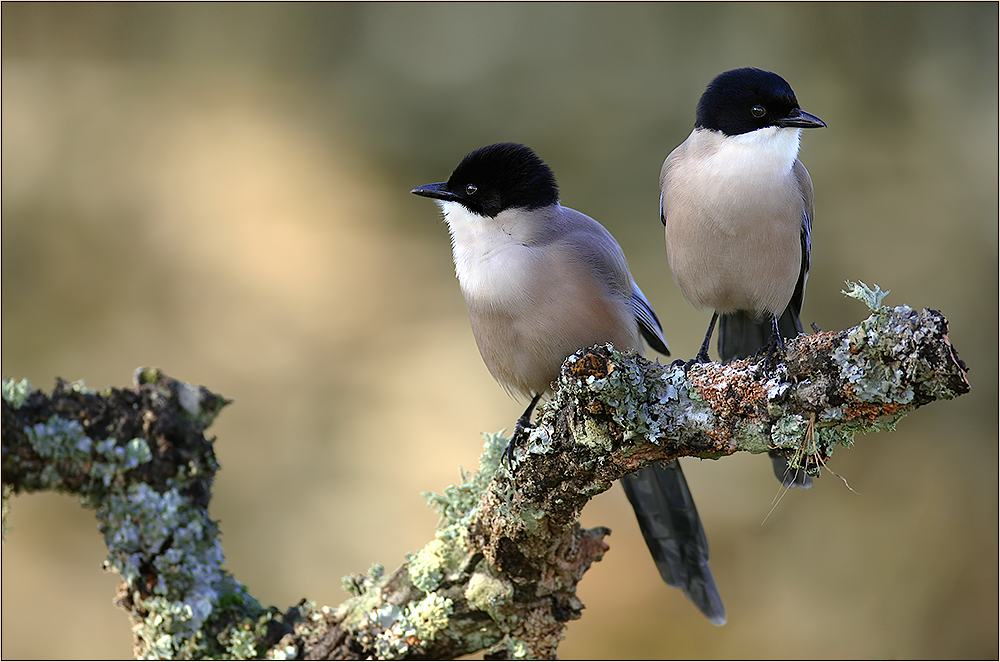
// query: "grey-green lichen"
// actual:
[[59, 438], [359, 611], [593, 434], [170, 629], [789, 431], [240, 640], [694, 414], [242, 644], [458, 502], [164, 535], [489, 594], [16, 392], [871, 296], [533, 518], [539, 441], [70, 452], [881, 361], [429, 616], [639, 401], [141, 519], [811, 445], [515, 649], [394, 631], [159, 536], [149, 534], [119, 458], [859, 358], [448, 552], [657, 406], [861, 354], [357, 584], [394, 634], [444, 555], [79, 387], [625, 391]]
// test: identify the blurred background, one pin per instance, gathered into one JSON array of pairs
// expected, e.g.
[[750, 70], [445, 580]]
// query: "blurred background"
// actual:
[[222, 190]]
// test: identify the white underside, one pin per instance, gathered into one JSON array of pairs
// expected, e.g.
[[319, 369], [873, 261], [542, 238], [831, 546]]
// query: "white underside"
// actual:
[[488, 256], [733, 211]]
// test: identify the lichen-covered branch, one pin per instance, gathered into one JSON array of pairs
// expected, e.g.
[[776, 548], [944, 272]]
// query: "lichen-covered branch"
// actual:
[[139, 458], [502, 570]]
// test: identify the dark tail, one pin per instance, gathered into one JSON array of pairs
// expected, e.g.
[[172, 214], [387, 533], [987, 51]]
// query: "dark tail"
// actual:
[[670, 524], [741, 336]]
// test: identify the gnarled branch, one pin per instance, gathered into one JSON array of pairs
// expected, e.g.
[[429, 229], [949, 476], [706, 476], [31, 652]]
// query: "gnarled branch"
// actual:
[[502, 570]]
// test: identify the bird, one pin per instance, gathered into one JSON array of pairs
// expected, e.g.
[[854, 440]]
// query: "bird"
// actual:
[[541, 281], [736, 204]]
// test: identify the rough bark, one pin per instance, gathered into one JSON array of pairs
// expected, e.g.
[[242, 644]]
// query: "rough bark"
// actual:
[[502, 570]]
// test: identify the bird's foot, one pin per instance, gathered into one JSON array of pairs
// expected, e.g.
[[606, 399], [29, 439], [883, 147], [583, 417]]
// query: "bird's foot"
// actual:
[[522, 428], [702, 357], [520, 435], [771, 353]]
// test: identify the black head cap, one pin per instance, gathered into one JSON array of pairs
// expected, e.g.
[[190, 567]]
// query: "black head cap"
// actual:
[[497, 177], [744, 100]]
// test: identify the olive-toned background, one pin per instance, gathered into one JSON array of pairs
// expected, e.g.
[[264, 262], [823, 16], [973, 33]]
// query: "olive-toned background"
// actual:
[[223, 191]]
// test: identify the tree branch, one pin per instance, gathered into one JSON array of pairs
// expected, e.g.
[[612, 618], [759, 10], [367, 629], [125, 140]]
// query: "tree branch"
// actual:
[[502, 570]]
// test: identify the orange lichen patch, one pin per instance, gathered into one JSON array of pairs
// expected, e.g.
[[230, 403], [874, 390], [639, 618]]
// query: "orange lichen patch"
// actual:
[[640, 458], [722, 438], [817, 342], [591, 365], [731, 390], [807, 349], [870, 410], [596, 408]]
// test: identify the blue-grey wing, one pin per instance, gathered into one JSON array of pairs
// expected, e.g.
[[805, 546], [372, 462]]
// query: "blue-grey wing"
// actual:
[[649, 323], [806, 188]]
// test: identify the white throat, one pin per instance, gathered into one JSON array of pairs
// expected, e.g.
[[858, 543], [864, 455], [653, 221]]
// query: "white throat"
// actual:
[[485, 251], [768, 151]]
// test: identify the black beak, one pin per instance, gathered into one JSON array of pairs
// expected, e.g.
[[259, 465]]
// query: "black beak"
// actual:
[[438, 191], [802, 120]]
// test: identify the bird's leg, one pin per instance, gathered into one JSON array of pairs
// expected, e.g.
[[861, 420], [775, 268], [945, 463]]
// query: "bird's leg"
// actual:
[[521, 429], [703, 356], [776, 333], [524, 423], [775, 345]]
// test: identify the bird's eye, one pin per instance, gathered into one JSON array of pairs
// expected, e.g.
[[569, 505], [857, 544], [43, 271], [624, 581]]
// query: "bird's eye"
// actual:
[[758, 111], [470, 189]]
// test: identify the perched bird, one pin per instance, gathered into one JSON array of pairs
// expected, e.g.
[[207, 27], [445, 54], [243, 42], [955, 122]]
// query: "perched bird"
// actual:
[[541, 281], [737, 208]]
